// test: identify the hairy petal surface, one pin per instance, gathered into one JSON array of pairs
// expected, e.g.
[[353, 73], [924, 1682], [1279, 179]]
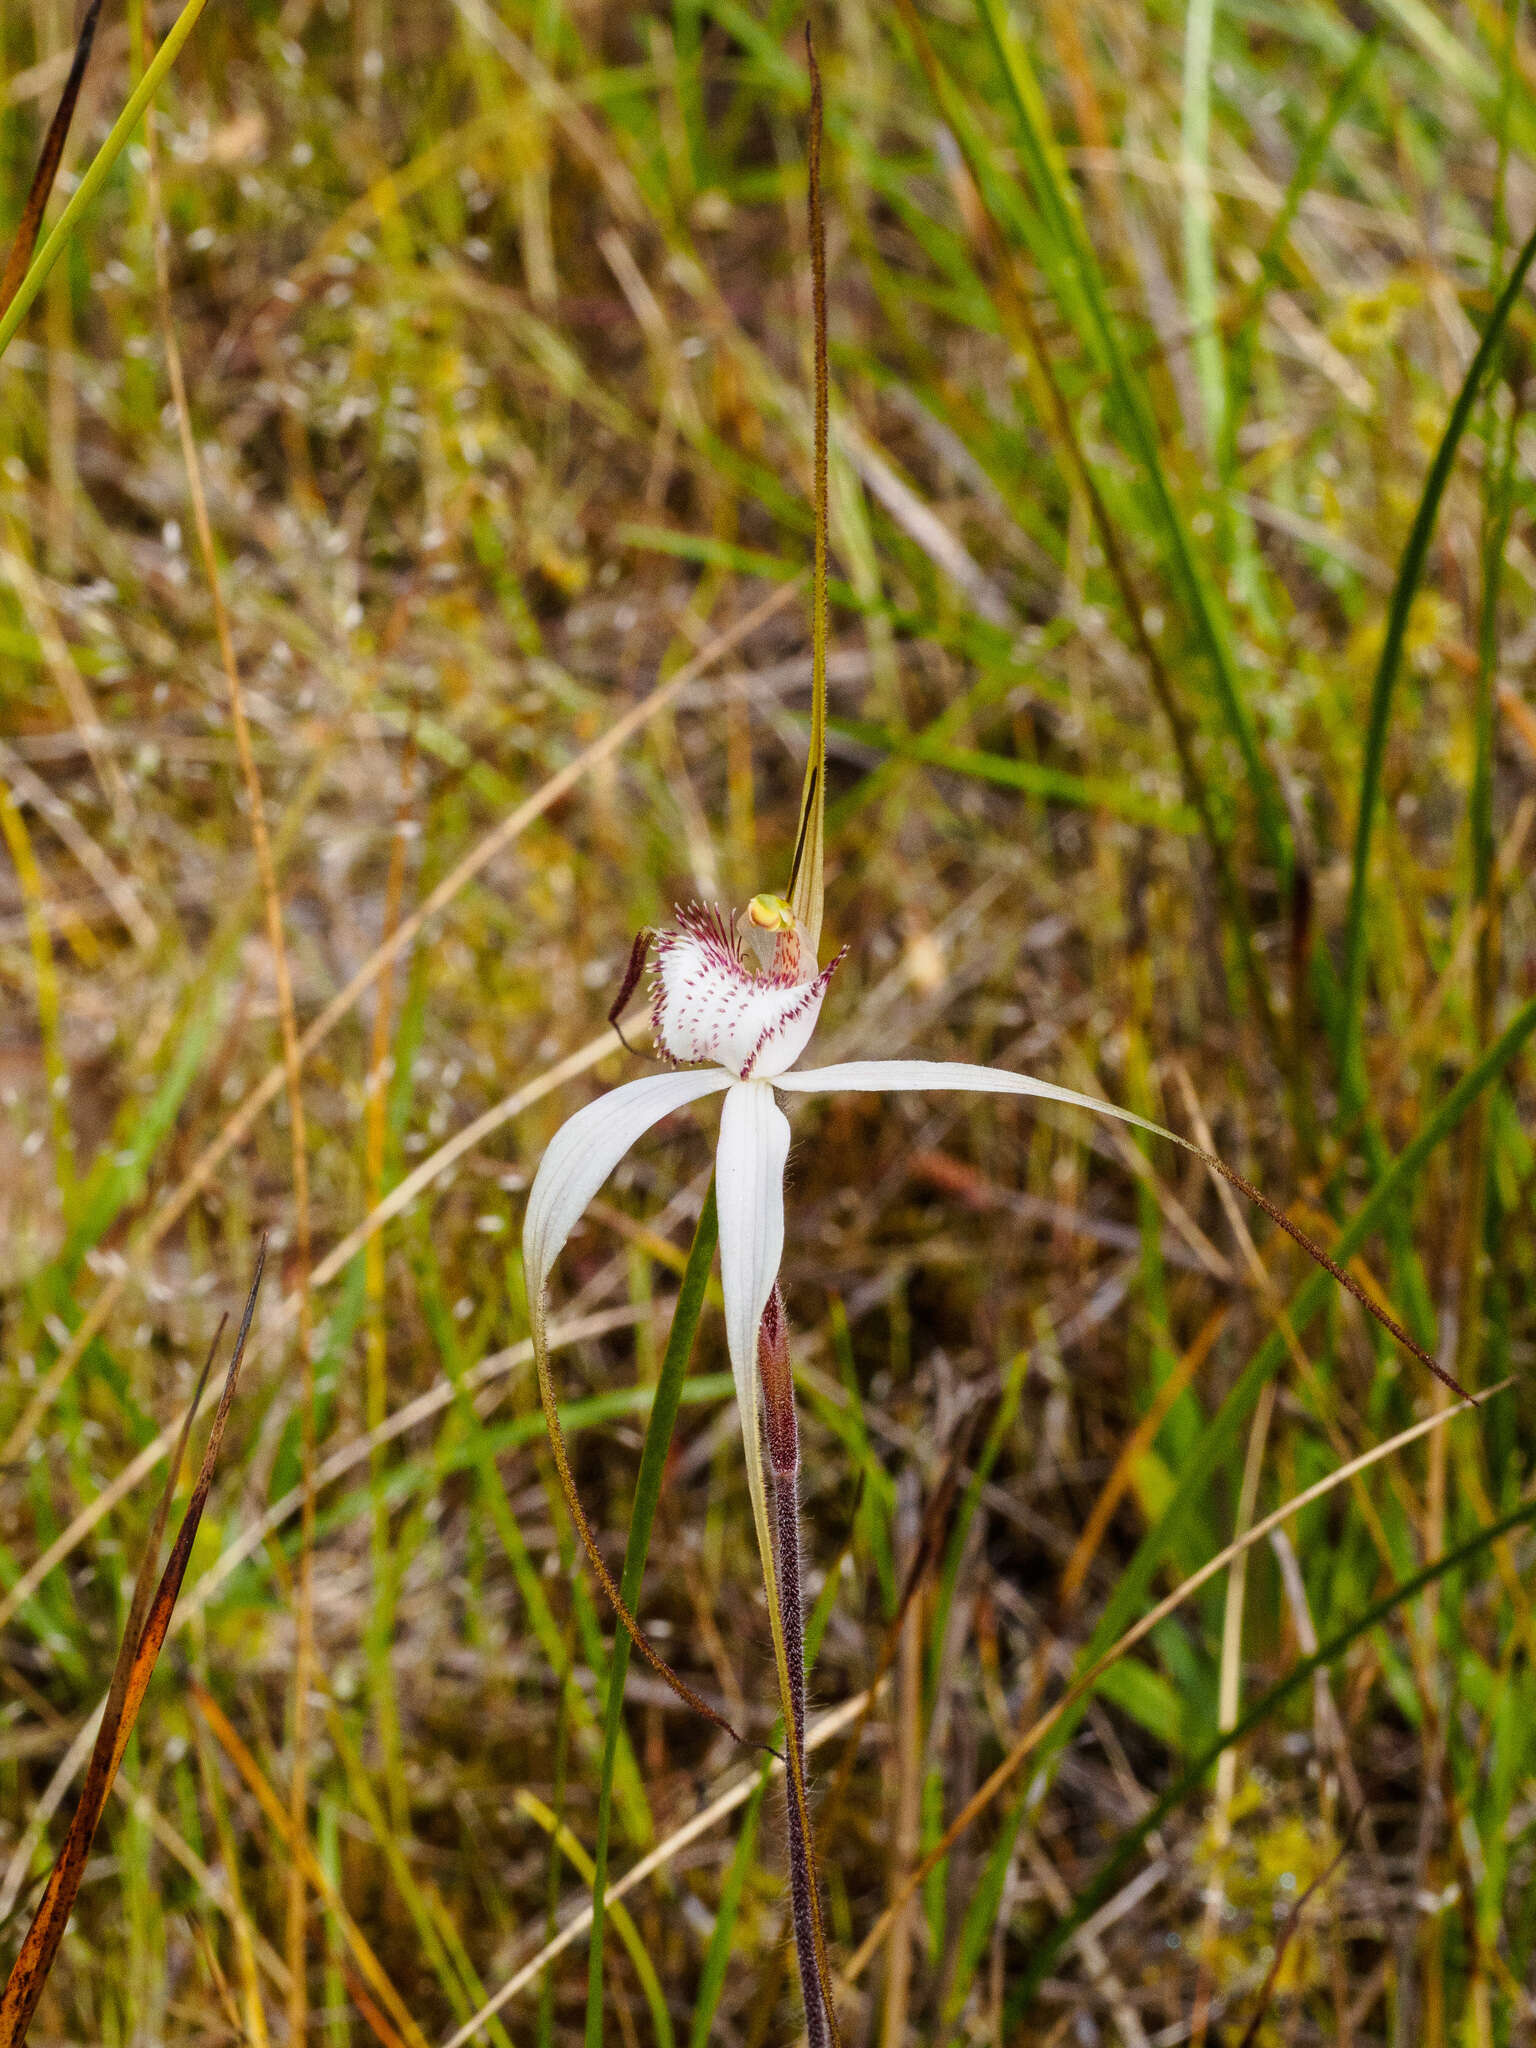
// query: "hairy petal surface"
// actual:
[[708, 1004]]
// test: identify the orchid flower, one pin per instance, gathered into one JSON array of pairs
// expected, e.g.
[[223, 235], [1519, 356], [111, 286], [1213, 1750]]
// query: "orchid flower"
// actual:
[[733, 1008], [735, 1001]]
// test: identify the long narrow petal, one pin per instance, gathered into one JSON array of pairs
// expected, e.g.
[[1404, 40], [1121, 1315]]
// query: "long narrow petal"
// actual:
[[749, 1191], [749, 1188], [874, 1075], [867, 1076], [582, 1155], [585, 1151]]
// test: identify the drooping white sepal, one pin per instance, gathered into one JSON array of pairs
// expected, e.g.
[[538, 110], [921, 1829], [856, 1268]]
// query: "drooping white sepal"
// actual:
[[585, 1151], [749, 1193], [749, 1196]]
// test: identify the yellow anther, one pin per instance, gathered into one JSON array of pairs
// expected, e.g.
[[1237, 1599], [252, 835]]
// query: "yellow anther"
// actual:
[[771, 913]]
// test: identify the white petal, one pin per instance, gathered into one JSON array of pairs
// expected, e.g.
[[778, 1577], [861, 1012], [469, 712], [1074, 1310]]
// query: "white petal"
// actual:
[[580, 1158], [866, 1076], [584, 1152], [749, 1192], [749, 1195]]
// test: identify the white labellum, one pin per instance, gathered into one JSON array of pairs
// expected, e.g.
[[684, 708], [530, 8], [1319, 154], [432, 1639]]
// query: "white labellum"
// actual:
[[707, 1004]]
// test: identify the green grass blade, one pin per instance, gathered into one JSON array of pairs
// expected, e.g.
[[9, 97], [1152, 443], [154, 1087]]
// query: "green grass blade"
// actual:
[[1410, 571], [96, 174], [1238, 367], [1129, 1845], [1084, 281], [1199, 253], [478, 1454], [1219, 1441], [965, 1515], [981, 1914], [1033, 778], [653, 1458], [629, 1934], [718, 1955], [1308, 163]]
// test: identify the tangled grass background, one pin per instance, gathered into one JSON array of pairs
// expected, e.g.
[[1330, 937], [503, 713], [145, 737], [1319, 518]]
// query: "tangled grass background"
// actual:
[[493, 322]]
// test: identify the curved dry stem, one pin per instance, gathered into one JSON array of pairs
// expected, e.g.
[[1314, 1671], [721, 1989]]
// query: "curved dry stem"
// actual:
[[605, 1578], [1315, 1251]]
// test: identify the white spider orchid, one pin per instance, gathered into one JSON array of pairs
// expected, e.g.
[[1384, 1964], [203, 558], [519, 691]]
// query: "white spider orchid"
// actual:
[[734, 1027], [734, 1007]]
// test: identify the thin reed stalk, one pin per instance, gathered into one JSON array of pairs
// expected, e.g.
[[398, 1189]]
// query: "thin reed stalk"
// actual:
[[304, 1608]]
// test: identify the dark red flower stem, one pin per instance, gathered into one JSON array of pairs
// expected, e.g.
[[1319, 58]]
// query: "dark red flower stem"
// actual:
[[782, 1435]]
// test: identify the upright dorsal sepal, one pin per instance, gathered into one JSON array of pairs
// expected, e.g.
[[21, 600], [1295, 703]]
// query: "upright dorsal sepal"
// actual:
[[806, 885]]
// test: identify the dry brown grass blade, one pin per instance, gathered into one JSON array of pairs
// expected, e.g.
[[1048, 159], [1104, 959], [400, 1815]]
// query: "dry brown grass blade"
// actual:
[[242, 1118], [1056, 416], [25, 239], [250, 1948], [149, 1617], [1292, 1922], [377, 2024], [1142, 1437], [1035, 1733], [272, 906], [255, 1780]]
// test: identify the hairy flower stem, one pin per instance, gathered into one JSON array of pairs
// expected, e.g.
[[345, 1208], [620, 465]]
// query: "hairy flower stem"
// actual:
[[802, 1873], [782, 1435]]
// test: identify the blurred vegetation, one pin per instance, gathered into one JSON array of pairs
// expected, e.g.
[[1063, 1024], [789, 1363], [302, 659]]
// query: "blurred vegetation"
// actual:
[[1146, 326]]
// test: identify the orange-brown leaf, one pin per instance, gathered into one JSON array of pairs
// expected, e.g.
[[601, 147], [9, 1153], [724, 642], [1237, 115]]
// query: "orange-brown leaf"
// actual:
[[25, 239], [148, 1620]]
